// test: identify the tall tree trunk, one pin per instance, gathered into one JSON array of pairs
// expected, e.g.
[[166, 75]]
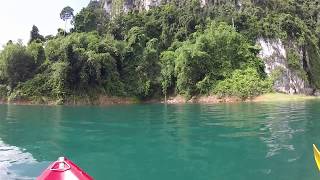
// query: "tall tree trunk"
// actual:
[[65, 28]]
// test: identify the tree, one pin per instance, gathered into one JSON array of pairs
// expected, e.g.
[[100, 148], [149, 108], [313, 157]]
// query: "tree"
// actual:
[[66, 14], [61, 32], [37, 52], [175, 46], [16, 64], [196, 65], [167, 60], [133, 62], [91, 18], [35, 36], [48, 37], [9, 42]]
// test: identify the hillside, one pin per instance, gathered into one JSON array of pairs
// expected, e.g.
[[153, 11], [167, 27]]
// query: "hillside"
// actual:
[[222, 47]]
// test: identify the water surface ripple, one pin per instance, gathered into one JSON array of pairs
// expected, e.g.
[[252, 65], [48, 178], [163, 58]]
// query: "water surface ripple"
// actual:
[[180, 142]]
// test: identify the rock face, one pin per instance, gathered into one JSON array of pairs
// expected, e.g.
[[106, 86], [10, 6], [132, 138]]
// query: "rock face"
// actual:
[[274, 55], [107, 5], [151, 3], [128, 5], [113, 7]]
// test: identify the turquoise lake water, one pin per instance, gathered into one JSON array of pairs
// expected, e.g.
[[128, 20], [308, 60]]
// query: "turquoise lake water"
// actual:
[[163, 142]]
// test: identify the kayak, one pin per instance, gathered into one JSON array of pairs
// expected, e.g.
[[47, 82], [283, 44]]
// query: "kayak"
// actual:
[[64, 169], [316, 156]]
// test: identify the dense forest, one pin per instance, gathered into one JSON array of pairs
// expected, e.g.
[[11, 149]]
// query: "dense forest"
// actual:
[[174, 49]]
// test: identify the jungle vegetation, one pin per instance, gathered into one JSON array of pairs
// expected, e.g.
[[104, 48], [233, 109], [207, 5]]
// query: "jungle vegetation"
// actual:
[[174, 49]]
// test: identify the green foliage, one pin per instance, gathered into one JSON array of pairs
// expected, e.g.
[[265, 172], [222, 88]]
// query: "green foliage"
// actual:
[[178, 47], [66, 13], [188, 63], [90, 61], [57, 80], [140, 68], [16, 64], [54, 50], [313, 52], [36, 50], [3, 91], [244, 84], [293, 59], [277, 73], [295, 63], [210, 56], [35, 36], [91, 18], [167, 61]]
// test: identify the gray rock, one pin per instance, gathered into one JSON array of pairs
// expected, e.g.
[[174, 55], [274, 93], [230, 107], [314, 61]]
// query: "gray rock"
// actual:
[[317, 93], [274, 56]]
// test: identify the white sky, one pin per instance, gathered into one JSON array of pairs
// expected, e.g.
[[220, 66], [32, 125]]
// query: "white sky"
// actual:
[[18, 16]]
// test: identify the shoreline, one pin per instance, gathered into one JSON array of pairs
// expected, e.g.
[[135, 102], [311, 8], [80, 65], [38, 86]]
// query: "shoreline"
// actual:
[[278, 97], [269, 97], [211, 99]]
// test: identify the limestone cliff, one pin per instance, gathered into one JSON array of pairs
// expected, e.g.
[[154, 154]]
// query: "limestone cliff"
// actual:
[[113, 7], [275, 56]]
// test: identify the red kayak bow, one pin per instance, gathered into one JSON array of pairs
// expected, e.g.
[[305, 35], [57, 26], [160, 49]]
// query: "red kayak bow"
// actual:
[[64, 169]]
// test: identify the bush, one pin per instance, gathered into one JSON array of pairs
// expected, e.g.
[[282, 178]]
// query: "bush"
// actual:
[[16, 64], [243, 84], [3, 91]]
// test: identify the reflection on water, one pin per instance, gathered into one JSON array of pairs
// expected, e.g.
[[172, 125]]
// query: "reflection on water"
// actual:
[[278, 131], [180, 142]]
